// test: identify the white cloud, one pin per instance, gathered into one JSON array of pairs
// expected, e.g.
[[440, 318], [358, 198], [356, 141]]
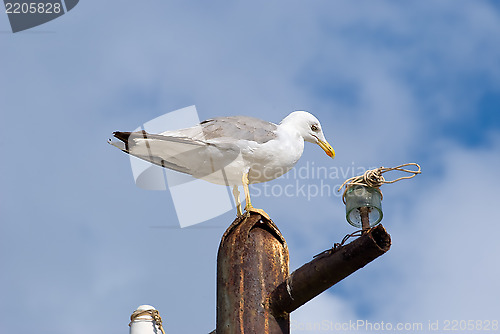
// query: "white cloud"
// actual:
[[322, 315], [451, 249], [442, 265], [408, 64]]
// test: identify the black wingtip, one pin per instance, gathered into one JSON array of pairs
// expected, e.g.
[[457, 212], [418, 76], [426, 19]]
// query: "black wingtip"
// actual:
[[123, 136]]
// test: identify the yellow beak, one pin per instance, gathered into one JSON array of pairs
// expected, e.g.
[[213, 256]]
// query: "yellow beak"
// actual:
[[327, 148]]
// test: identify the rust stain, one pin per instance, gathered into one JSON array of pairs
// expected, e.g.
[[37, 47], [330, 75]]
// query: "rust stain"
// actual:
[[252, 261]]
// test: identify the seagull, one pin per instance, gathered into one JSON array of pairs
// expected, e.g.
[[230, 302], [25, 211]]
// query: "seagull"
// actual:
[[232, 151]]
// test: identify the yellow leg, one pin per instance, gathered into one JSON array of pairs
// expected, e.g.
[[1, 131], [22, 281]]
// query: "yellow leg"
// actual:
[[244, 180], [248, 205], [236, 195]]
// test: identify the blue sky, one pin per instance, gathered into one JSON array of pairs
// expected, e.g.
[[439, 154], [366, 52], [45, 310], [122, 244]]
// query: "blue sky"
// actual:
[[390, 82]]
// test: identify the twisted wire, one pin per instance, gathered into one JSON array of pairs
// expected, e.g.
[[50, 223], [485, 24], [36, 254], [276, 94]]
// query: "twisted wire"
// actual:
[[373, 178], [154, 314]]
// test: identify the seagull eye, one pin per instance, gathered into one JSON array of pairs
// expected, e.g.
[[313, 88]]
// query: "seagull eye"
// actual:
[[314, 127]]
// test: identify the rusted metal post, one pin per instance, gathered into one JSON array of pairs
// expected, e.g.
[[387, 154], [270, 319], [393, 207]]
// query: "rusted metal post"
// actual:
[[252, 261], [324, 271], [364, 212]]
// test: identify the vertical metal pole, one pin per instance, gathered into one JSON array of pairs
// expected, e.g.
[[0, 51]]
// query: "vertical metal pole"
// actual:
[[365, 218], [252, 261]]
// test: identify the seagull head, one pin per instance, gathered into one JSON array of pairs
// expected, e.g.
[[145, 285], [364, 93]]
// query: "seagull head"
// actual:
[[309, 128]]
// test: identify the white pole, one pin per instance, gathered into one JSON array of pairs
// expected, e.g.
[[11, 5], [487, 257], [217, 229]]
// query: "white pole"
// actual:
[[144, 322]]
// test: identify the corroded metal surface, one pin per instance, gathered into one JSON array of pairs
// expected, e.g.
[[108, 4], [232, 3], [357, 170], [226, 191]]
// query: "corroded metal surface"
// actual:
[[324, 271], [364, 212], [252, 261]]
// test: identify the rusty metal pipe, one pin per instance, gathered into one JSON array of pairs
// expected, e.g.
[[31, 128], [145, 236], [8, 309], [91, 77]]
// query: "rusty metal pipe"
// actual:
[[252, 261], [364, 212], [324, 271]]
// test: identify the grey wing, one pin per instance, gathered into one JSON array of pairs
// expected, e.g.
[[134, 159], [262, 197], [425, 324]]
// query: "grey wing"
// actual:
[[229, 129], [201, 150], [182, 154]]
